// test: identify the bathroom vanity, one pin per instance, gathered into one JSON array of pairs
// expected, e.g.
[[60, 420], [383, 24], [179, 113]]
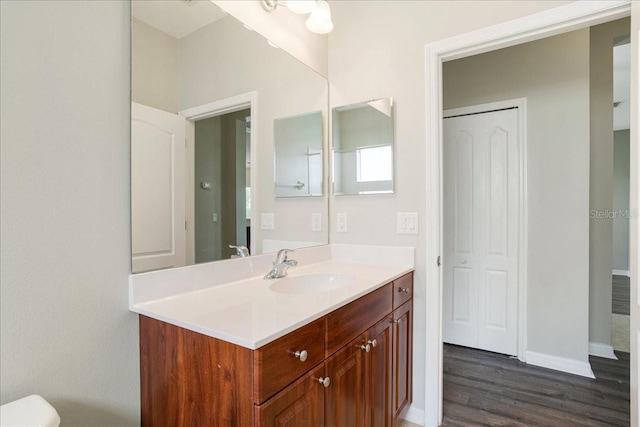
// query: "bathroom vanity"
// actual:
[[341, 357]]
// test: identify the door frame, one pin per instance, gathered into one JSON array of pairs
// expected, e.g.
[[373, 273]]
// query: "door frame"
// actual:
[[205, 111], [558, 20], [521, 105]]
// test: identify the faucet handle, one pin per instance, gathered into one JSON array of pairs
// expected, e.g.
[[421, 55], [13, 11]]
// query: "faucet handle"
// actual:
[[241, 251], [282, 255]]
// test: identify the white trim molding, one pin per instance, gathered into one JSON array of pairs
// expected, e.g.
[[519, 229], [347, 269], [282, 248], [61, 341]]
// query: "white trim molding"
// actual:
[[562, 19], [621, 273], [570, 366], [414, 415], [602, 350]]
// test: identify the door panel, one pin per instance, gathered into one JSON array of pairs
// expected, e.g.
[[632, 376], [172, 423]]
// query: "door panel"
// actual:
[[157, 189], [379, 375], [345, 396], [300, 404], [481, 202]]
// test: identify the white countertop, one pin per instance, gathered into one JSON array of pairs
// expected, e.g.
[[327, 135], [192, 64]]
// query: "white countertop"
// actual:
[[248, 313]]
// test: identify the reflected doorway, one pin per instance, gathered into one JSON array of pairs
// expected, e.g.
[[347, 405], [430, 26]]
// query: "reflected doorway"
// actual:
[[222, 185]]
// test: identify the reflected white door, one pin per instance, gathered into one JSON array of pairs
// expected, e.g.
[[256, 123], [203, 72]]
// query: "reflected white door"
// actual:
[[157, 189], [481, 198]]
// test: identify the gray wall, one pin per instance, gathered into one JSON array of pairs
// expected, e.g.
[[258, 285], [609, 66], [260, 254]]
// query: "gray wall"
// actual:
[[553, 74], [207, 147], [154, 67], [621, 200], [65, 331], [601, 177]]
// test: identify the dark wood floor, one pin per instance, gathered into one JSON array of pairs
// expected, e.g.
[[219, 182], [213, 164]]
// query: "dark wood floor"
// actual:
[[489, 389], [620, 295]]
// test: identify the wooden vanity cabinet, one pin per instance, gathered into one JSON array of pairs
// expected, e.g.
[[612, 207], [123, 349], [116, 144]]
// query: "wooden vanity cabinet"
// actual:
[[363, 349]]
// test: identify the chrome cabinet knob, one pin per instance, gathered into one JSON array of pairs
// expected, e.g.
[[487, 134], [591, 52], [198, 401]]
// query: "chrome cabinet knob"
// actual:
[[324, 381], [366, 347], [397, 321], [302, 355], [373, 342], [403, 290]]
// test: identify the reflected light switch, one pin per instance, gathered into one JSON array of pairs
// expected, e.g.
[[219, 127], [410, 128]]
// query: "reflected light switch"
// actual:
[[267, 221], [316, 222]]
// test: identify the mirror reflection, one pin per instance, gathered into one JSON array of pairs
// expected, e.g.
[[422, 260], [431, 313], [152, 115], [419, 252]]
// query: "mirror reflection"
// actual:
[[363, 139], [201, 76], [298, 156]]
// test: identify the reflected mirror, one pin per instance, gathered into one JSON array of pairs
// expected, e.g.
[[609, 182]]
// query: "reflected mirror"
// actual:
[[298, 156], [363, 139], [209, 97]]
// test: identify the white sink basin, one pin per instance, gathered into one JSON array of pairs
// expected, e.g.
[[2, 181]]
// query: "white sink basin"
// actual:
[[310, 283]]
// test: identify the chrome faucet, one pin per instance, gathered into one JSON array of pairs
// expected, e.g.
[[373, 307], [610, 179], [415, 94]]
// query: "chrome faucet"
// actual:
[[281, 265], [241, 251]]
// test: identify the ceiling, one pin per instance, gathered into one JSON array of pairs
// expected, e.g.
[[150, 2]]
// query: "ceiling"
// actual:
[[177, 18], [621, 86]]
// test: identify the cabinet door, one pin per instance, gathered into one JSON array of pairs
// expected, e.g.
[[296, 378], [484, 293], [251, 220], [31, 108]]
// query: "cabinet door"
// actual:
[[345, 396], [378, 374], [402, 358], [300, 404]]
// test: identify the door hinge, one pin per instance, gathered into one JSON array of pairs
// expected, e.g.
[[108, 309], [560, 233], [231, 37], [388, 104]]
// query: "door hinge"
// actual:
[[438, 261], [185, 225]]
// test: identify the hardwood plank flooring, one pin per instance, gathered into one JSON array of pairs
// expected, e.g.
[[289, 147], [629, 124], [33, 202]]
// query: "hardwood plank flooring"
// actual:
[[620, 295], [489, 389]]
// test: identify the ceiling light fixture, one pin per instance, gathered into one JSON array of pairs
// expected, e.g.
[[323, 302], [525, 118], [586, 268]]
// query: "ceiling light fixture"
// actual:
[[319, 20]]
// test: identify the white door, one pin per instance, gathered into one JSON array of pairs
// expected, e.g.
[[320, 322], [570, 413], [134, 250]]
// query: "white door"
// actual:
[[481, 199], [157, 189]]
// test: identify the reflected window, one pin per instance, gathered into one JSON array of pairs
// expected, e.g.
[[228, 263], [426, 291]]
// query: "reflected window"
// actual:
[[374, 164]]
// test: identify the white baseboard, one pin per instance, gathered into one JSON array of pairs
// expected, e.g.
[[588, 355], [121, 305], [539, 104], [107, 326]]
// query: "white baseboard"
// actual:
[[602, 350], [414, 415], [563, 364], [621, 273]]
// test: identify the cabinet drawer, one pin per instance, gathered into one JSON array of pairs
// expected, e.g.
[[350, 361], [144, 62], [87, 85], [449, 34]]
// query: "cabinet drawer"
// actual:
[[300, 404], [402, 290], [346, 323], [275, 365]]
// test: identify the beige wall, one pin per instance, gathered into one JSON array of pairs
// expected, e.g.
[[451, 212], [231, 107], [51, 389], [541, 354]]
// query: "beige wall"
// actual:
[[154, 67], [377, 50], [65, 256], [601, 177]]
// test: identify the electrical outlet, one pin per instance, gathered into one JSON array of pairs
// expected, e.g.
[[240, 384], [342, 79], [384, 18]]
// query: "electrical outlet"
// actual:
[[316, 221], [407, 223], [214, 217], [341, 223], [267, 221]]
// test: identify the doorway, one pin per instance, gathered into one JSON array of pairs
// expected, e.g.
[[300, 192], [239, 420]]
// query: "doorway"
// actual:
[[555, 21], [219, 199], [484, 203]]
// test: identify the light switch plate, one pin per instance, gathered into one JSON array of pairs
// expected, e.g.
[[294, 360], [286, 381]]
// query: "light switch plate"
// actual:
[[267, 221], [407, 222], [341, 223], [316, 221]]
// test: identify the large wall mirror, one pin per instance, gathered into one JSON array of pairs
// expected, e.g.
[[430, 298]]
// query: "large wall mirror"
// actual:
[[209, 99], [363, 139]]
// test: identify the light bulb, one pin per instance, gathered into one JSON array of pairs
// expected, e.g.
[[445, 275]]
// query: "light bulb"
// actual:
[[319, 21], [301, 7]]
